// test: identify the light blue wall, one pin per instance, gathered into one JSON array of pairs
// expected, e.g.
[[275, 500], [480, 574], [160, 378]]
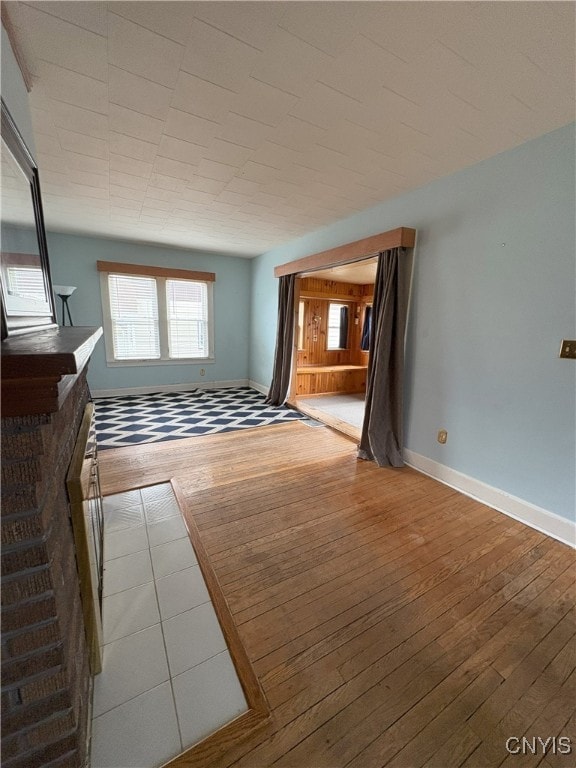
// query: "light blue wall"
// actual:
[[19, 239], [493, 295], [73, 262], [14, 93]]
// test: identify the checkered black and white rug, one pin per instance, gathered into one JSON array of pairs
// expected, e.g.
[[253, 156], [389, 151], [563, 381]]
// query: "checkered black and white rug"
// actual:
[[137, 419]]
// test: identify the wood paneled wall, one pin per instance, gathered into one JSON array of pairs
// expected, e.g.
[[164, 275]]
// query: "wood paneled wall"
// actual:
[[316, 295], [330, 288], [317, 380]]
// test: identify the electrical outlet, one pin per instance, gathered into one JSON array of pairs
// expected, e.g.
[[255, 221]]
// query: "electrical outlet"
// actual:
[[568, 349], [202, 372], [442, 436]]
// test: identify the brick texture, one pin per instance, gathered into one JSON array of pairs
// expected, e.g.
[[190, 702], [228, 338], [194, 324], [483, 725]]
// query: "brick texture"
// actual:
[[23, 586], [45, 672]]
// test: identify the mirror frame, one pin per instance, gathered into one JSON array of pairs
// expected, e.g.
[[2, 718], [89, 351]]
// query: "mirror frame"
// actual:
[[13, 323]]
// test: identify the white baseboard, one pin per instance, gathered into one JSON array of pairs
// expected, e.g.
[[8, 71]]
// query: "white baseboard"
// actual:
[[258, 387], [169, 388], [536, 517]]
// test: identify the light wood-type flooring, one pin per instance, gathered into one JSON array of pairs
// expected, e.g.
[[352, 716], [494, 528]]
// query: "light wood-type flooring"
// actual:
[[391, 620]]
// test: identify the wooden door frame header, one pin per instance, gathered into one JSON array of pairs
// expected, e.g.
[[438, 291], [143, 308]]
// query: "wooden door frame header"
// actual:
[[345, 254]]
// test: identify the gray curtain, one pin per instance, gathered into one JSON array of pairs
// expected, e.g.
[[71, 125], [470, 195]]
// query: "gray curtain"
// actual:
[[382, 429], [366, 328], [284, 342]]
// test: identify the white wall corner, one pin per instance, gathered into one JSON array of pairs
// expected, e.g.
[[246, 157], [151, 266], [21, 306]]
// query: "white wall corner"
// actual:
[[542, 520], [259, 387]]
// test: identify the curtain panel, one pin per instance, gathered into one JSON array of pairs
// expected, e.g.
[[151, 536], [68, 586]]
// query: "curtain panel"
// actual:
[[366, 328], [343, 339], [382, 430], [284, 342]]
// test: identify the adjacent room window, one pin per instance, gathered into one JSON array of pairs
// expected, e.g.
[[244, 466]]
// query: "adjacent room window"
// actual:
[[156, 315], [337, 326], [301, 317]]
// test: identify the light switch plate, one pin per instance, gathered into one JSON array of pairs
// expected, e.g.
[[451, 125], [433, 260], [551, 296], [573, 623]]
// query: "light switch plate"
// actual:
[[568, 349]]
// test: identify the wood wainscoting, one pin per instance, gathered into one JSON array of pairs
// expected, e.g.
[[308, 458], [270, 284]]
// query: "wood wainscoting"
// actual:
[[329, 379], [392, 621]]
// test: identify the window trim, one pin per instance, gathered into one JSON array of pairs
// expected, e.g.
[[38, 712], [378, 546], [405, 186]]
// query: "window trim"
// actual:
[[338, 303], [160, 274], [119, 268], [301, 328]]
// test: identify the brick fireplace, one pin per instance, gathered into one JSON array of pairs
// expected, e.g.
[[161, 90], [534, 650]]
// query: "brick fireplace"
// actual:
[[46, 683]]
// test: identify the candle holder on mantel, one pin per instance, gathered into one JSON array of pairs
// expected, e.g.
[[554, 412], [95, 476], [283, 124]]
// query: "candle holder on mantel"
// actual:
[[64, 292]]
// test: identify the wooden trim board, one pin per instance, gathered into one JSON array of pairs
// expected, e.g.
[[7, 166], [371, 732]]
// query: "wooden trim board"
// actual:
[[259, 711], [330, 421], [140, 269], [313, 368], [78, 481], [345, 254]]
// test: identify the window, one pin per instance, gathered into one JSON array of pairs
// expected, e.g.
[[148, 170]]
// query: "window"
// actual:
[[337, 326], [187, 318], [27, 282], [301, 314], [156, 315], [134, 317]]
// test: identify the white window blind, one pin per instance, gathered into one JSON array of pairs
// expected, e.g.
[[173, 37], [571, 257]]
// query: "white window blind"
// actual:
[[156, 318], [134, 317], [187, 310], [26, 281]]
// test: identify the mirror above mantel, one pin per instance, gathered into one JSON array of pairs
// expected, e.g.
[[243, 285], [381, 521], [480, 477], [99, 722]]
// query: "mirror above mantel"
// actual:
[[26, 291]]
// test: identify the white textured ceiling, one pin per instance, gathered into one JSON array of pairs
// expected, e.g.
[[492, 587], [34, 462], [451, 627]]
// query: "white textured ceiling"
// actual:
[[236, 126]]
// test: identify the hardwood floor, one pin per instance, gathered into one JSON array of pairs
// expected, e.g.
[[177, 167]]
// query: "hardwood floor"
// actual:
[[391, 620]]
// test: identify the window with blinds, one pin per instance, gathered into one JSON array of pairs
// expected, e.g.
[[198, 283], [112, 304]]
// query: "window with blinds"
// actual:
[[187, 307], [27, 282], [153, 319], [134, 316]]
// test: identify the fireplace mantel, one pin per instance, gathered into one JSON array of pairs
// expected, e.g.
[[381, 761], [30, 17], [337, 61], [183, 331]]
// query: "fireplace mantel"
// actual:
[[39, 369], [46, 682]]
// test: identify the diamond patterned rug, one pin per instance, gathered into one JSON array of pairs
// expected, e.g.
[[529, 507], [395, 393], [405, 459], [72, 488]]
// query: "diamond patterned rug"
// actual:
[[137, 419]]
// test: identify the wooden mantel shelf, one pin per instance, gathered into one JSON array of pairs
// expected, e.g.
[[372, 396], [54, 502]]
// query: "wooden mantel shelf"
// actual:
[[39, 369]]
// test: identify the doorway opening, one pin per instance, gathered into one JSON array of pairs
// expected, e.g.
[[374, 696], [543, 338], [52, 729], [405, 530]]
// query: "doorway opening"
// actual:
[[289, 358], [330, 359]]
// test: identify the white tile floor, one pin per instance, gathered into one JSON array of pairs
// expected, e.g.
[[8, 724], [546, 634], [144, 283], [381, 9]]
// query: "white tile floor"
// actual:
[[168, 679]]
